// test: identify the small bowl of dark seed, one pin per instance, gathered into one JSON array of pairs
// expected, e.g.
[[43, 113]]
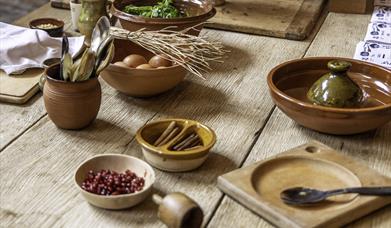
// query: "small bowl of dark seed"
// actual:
[[52, 26], [114, 181]]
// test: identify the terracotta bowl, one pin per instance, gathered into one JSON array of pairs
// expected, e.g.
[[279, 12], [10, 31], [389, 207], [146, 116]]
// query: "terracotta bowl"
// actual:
[[199, 12], [118, 163], [54, 32], [70, 105], [163, 157], [140, 82], [289, 82]]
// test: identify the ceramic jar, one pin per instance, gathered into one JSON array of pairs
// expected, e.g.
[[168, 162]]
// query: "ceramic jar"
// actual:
[[71, 105], [336, 89], [91, 11]]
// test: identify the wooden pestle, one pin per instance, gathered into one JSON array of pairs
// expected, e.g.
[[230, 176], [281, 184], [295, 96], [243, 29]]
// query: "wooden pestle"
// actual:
[[177, 210]]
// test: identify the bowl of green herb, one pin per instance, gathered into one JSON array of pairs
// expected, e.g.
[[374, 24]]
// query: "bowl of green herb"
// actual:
[[159, 14]]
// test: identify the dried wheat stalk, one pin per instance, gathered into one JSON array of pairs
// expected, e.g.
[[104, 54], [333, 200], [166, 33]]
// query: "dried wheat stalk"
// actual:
[[194, 53]]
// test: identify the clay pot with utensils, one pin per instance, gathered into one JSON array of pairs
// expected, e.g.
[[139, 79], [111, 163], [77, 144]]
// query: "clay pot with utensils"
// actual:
[[71, 105]]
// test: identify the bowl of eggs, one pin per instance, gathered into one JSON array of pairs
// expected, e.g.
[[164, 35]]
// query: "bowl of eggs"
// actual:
[[137, 72]]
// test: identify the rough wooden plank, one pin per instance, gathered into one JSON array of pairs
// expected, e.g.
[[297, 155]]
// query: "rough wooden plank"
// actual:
[[282, 18], [274, 177], [337, 37], [45, 157], [233, 101], [15, 119]]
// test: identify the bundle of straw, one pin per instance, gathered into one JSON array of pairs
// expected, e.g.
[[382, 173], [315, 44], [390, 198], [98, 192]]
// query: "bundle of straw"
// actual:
[[194, 53]]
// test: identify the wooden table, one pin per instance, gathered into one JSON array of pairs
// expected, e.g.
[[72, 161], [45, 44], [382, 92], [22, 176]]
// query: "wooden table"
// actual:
[[38, 159]]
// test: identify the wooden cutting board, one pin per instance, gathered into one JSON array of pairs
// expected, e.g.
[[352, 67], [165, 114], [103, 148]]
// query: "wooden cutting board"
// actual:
[[291, 19], [313, 165], [19, 89]]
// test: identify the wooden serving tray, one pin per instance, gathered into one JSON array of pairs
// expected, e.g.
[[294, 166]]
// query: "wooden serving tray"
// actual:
[[283, 18], [314, 165], [18, 89]]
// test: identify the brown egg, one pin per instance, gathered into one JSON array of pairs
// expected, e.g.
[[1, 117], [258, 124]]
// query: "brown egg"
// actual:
[[158, 61], [144, 66], [134, 60], [122, 64]]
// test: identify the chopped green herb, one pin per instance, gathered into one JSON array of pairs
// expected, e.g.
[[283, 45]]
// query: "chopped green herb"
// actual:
[[163, 9]]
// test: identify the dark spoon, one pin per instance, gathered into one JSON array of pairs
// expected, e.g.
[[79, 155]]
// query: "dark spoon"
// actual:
[[302, 196], [64, 50]]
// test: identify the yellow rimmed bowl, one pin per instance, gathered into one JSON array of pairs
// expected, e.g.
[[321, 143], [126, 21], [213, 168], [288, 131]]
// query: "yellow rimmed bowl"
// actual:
[[119, 163], [164, 157]]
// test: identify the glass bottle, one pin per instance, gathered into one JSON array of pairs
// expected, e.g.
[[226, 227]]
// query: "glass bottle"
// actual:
[[91, 11]]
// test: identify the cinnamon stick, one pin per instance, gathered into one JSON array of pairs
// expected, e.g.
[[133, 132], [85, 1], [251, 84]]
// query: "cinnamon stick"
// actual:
[[192, 148], [189, 142], [184, 141], [166, 132], [169, 137]]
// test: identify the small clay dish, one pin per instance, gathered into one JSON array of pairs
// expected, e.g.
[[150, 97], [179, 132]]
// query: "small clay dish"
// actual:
[[52, 26], [289, 82], [164, 157], [119, 163], [52, 61], [198, 12], [140, 82]]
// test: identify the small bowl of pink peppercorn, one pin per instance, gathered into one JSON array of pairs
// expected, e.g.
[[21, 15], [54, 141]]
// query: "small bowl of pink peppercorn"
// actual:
[[114, 181]]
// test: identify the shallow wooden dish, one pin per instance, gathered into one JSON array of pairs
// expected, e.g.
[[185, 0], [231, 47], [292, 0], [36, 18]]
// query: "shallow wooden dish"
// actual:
[[118, 163], [289, 82], [163, 157], [199, 12], [140, 82], [314, 165], [308, 171], [54, 32]]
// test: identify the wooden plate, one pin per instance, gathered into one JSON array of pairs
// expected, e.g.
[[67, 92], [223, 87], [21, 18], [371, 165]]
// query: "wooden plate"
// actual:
[[307, 172], [314, 165]]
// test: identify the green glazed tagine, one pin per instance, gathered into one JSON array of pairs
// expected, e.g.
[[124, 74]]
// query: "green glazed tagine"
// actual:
[[336, 89]]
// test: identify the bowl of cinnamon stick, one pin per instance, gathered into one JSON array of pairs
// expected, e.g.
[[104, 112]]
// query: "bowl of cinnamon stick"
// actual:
[[175, 145]]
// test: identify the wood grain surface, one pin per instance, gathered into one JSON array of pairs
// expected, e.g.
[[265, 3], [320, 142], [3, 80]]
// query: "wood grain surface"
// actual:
[[283, 18], [233, 101], [16, 119], [281, 133], [18, 89], [38, 159], [255, 186]]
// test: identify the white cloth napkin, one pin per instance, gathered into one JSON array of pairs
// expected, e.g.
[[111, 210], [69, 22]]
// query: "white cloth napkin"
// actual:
[[22, 48]]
